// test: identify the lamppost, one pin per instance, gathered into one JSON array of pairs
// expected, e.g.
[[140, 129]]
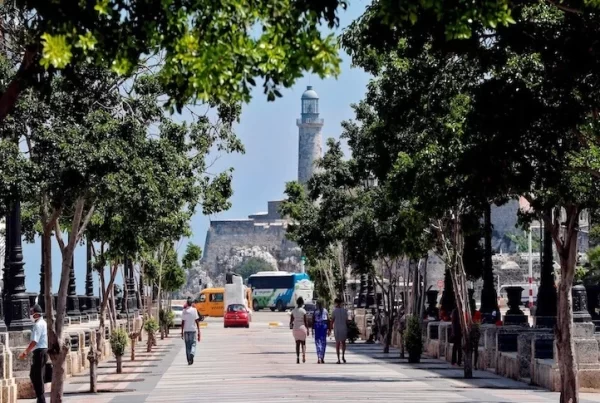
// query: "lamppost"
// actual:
[[6, 284], [489, 297], [2, 324], [125, 307], [89, 281], [41, 300], [131, 294], [18, 300], [72, 298]]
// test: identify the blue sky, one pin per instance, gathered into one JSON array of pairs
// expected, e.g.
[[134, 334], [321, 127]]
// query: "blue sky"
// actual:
[[269, 133]]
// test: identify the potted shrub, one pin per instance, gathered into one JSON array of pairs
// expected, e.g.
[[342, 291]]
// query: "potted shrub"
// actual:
[[413, 340], [353, 331], [151, 327], [165, 318], [118, 343]]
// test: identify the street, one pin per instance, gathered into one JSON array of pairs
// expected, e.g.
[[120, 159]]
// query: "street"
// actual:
[[259, 365]]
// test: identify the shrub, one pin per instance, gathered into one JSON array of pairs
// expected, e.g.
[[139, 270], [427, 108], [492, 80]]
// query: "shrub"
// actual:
[[353, 331], [118, 342], [166, 318], [151, 325], [413, 338]]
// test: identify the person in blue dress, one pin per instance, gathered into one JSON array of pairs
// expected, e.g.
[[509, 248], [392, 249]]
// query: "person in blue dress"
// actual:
[[320, 331]]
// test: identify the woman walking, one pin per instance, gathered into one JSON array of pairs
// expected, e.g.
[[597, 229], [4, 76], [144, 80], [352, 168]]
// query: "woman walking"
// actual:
[[299, 327], [320, 331], [339, 323]]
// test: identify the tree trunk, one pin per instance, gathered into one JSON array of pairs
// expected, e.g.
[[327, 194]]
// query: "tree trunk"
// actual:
[[468, 358], [388, 334], [149, 343], [58, 374], [93, 368], [94, 357], [564, 327], [119, 359], [59, 350], [133, 337]]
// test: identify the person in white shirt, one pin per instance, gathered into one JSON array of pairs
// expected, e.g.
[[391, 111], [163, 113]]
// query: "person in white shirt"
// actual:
[[190, 330], [39, 346]]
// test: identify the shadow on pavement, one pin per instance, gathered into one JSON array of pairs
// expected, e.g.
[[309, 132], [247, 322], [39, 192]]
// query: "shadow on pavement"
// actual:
[[439, 369], [270, 353], [332, 378]]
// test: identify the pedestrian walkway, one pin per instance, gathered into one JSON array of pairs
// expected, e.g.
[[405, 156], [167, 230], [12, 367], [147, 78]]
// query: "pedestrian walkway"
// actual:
[[259, 365], [137, 380]]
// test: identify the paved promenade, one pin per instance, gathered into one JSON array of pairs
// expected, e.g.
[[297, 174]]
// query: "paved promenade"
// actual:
[[259, 365]]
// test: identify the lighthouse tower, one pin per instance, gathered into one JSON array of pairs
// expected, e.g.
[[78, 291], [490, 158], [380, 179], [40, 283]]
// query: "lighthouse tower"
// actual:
[[309, 140]]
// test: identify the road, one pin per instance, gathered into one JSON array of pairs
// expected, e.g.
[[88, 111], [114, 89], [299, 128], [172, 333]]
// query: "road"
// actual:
[[259, 365]]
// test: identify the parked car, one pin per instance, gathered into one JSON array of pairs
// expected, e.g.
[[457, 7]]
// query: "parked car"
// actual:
[[236, 316], [177, 311]]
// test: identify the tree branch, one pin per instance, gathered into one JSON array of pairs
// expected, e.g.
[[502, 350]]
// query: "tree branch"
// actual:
[[28, 66], [86, 221], [53, 219], [79, 205], [58, 235], [564, 8], [594, 172]]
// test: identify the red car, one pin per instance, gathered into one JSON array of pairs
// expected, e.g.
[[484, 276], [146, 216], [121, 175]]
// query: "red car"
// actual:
[[236, 315]]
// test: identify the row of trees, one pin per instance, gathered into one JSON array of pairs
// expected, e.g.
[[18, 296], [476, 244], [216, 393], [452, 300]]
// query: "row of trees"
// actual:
[[86, 146], [460, 115]]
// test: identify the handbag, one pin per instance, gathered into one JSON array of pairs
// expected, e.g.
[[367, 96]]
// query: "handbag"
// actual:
[[48, 372]]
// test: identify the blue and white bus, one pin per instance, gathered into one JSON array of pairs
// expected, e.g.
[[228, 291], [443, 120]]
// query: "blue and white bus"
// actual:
[[279, 289]]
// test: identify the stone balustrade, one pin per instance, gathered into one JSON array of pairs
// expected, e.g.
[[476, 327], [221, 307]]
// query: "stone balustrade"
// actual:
[[523, 353], [79, 333]]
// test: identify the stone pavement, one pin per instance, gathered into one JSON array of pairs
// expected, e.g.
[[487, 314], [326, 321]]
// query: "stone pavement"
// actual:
[[259, 365], [139, 377]]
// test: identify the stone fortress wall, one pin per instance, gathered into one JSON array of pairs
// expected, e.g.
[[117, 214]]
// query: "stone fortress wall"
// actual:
[[230, 242]]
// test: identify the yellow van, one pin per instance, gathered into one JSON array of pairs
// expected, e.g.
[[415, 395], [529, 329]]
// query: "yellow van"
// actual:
[[211, 300]]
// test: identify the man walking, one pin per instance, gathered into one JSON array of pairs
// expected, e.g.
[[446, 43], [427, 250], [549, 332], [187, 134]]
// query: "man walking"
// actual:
[[39, 346], [190, 330]]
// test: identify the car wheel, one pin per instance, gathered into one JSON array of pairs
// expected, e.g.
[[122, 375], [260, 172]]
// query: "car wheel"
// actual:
[[224, 325], [247, 326], [280, 306], [272, 309], [255, 305]]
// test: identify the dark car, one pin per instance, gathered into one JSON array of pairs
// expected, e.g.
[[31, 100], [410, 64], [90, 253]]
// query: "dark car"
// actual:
[[310, 309]]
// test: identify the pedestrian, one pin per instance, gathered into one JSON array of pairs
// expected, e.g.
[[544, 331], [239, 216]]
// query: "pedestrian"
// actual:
[[190, 330], [320, 331], [299, 325], [339, 322], [38, 346], [456, 338]]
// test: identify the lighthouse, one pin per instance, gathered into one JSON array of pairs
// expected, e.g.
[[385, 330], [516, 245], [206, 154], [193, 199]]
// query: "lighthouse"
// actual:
[[310, 146]]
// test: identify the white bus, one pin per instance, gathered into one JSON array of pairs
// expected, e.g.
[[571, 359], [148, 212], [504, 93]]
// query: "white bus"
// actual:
[[279, 289]]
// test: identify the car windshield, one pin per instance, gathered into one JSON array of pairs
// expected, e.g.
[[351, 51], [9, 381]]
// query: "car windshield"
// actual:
[[236, 308], [310, 307], [177, 308]]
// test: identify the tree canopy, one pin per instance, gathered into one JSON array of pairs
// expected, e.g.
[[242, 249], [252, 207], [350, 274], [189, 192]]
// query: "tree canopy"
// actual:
[[202, 51]]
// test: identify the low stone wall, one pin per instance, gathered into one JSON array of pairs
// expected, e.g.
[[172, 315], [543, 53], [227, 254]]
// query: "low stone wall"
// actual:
[[522, 353], [81, 334]]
